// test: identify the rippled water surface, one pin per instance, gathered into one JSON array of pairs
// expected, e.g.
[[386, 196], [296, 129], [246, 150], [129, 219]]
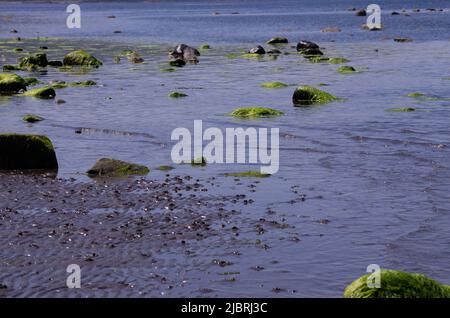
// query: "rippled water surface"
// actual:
[[380, 179]]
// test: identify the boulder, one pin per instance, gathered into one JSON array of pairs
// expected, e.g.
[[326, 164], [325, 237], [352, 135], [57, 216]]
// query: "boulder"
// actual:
[[274, 52], [29, 118], [307, 95], [185, 52], [302, 45], [33, 61], [361, 13], [25, 152], [11, 83], [397, 284], [45, 92], [311, 52], [278, 40], [177, 63], [81, 58], [107, 167], [346, 69], [257, 50]]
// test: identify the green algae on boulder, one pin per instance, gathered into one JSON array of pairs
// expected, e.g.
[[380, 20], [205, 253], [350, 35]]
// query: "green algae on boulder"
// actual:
[[177, 95], [34, 61], [307, 95], [11, 83], [165, 168], [273, 85], [201, 161], [278, 40], [247, 174], [62, 84], [397, 284], [46, 92], [18, 49], [30, 81], [26, 152], [81, 58], [29, 118], [331, 60], [177, 63], [346, 69], [255, 112], [107, 167], [252, 56], [11, 67]]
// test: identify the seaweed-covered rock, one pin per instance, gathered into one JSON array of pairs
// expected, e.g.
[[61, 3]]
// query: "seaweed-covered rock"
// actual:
[[185, 52], [10, 67], [274, 52], [205, 47], [177, 95], [30, 81], [273, 85], [165, 168], [177, 63], [247, 174], [402, 109], [307, 95], [55, 63], [398, 284], [46, 92], [346, 69], [33, 61], [107, 167], [24, 152], [81, 58], [11, 83], [257, 50], [278, 40], [133, 56], [30, 118], [255, 112], [311, 52]]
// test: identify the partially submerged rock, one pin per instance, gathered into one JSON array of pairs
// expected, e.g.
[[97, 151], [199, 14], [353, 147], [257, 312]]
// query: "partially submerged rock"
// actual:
[[331, 29], [273, 85], [424, 97], [11, 67], [46, 92], [177, 95], [177, 63], [331, 60], [361, 13], [205, 47], [397, 284], [255, 112], [278, 40], [185, 52], [81, 58], [402, 109], [55, 63], [346, 69], [165, 168], [307, 95], [25, 152], [303, 45], [247, 174], [30, 81], [311, 52], [30, 118], [107, 167], [133, 56], [11, 83], [257, 50], [33, 62]]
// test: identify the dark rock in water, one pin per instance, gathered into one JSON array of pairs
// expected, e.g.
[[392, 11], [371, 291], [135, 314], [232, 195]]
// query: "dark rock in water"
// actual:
[[331, 30], [107, 167], [307, 95], [55, 63], [302, 45], [30, 118], [278, 40], [11, 83], [395, 13], [33, 61], [26, 152], [257, 50], [45, 92], [81, 58], [274, 52], [13, 31], [10, 67], [311, 52], [185, 52], [361, 13], [177, 63], [43, 47], [403, 40]]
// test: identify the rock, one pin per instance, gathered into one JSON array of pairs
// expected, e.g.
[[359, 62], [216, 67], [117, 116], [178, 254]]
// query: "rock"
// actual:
[[165, 168], [177, 95], [107, 167], [273, 85], [11, 83], [361, 13], [205, 47], [398, 284], [311, 52], [278, 40], [274, 52], [185, 52], [395, 13], [43, 48], [81, 58], [45, 92], [346, 69], [307, 95], [303, 45], [331, 29], [403, 40], [55, 63], [33, 61], [13, 31], [10, 67], [60, 101], [133, 56], [30, 81], [29, 118], [402, 109], [257, 50], [177, 63], [18, 49], [255, 112], [25, 152]]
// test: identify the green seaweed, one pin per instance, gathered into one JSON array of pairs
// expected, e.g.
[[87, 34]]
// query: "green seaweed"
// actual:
[[273, 85], [307, 95], [205, 47], [255, 112], [177, 95], [107, 167], [30, 118], [46, 92], [167, 70], [30, 81], [11, 67], [247, 174], [252, 56], [422, 96], [165, 168], [347, 69], [397, 284]]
